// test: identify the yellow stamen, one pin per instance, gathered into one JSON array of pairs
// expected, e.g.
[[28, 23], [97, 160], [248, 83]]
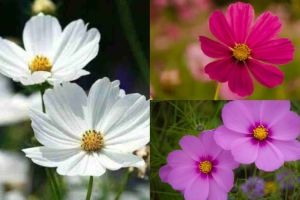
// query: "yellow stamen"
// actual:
[[241, 52], [92, 141], [40, 63], [205, 167], [260, 132]]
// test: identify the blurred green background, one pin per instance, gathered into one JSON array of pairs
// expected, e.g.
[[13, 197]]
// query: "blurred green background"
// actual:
[[176, 61], [171, 120], [123, 55]]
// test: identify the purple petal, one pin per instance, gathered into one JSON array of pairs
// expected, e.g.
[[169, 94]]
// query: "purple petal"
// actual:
[[244, 150], [198, 190], [225, 160], [192, 146], [180, 178], [179, 158], [210, 146], [224, 178], [164, 173], [273, 110], [215, 191], [289, 149], [224, 137]]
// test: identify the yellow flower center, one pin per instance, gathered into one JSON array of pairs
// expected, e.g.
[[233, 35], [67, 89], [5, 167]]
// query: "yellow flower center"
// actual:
[[40, 63], [260, 132], [241, 52], [205, 167], [92, 141]]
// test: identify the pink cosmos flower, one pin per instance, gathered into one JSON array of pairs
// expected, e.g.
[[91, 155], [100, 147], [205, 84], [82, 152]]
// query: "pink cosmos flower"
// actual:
[[246, 48], [263, 132], [227, 94], [201, 170]]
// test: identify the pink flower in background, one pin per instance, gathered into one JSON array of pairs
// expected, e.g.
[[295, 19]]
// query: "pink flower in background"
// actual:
[[260, 132], [246, 47], [227, 94], [201, 170], [196, 60]]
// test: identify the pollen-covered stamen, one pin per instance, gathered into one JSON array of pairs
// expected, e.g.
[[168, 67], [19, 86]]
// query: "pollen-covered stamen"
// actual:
[[241, 52], [92, 141], [205, 167], [260, 132], [40, 63]]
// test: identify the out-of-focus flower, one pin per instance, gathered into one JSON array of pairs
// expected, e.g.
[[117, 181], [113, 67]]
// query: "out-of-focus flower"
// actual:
[[44, 6], [287, 178], [51, 54], [227, 94], [143, 153], [200, 164], [246, 46], [260, 132], [253, 188], [170, 78], [87, 136], [196, 61], [270, 187], [14, 195]]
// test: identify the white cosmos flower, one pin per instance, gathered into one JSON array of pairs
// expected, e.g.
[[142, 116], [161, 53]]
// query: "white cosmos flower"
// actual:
[[51, 54], [86, 135]]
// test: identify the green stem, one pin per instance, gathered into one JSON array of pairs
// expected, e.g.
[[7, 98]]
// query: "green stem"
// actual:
[[216, 96], [90, 188], [125, 181], [134, 43]]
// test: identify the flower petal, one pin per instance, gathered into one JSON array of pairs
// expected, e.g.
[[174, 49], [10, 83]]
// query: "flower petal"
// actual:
[[225, 160], [287, 128], [49, 157], [164, 172], [240, 81], [244, 150], [219, 27], [266, 74], [214, 49], [198, 190], [220, 70], [269, 158], [278, 51], [180, 158], [240, 17], [209, 144], [215, 191], [68, 114], [58, 78], [289, 149], [181, 177], [41, 35], [192, 146], [224, 137], [266, 27], [35, 78], [224, 178]]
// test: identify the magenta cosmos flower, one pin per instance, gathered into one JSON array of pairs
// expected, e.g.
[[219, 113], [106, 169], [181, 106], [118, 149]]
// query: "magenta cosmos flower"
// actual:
[[263, 132], [201, 170], [246, 47]]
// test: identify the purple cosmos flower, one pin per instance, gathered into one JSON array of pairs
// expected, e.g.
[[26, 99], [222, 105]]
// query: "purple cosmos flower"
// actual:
[[201, 170], [253, 187], [263, 132]]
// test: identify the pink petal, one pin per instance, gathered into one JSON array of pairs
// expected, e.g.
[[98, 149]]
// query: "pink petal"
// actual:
[[215, 191], [219, 27], [179, 158], [289, 149], [198, 190], [237, 116], [192, 146], [244, 150], [279, 51], [224, 178], [214, 49], [224, 137], [220, 70], [270, 115], [266, 74], [287, 127], [225, 160], [240, 81], [240, 17], [269, 158], [266, 27], [180, 178], [210, 146], [164, 172]]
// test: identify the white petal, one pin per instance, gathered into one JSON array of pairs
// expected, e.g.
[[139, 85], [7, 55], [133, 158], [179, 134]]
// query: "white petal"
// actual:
[[13, 60], [60, 78], [102, 96], [41, 35], [114, 160], [50, 135], [48, 157], [85, 164], [66, 106], [34, 78], [78, 46]]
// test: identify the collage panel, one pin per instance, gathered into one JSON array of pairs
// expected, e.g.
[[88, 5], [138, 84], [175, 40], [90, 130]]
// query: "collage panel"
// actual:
[[235, 150]]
